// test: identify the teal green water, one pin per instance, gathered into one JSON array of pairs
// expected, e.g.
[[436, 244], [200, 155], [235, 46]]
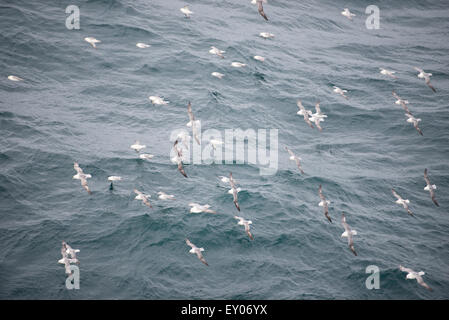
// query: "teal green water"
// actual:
[[78, 103]]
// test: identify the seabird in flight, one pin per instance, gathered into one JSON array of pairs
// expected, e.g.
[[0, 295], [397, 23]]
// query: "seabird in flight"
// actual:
[[400, 101], [305, 113], [295, 158], [414, 121], [402, 202], [137, 146], [348, 233], [324, 203], [92, 41], [347, 13], [82, 177], [318, 116], [415, 275], [430, 187], [193, 123], [246, 223], [143, 197], [178, 159], [426, 76], [260, 9], [340, 92], [235, 191], [186, 11], [196, 251]]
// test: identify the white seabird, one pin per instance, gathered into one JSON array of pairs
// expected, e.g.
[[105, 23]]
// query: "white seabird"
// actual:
[[347, 14], [401, 102], [266, 35], [178, 158], [426, 76], [137, 146], [389, 73], [305, 113], [238, 64], [217, 75], [259, 58], [143, 197], [340, 92], [216, 51], [295, 158], [411, 119], [246, 223], [157, 100], [92, 41], [348, 233], [197, 251], [82, 177], [193, 123], [69, 250], [430, 187], [402, 202], [142, 45], [146, 156], [186, 11], [198, 208], [324, 203], [415, 275], [235, 191], [15, 78], [318, 116], [164, 196]]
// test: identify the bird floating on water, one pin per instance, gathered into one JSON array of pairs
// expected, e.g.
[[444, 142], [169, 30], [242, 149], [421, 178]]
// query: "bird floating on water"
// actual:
[[347, 14], [197, 251], [164, 196], [146, 156], [295, 158], [324, 203], [415, 275], [198, 208], [92, 41], [426, 76], [157, 100], [430, 187], [137, 146], [266, 35], [217, 75], [259, 58], [389, 73], [402, 202], [348, 233], [82, 177], [340, 91], [238, 64], [15, 78], [69, 250], [142, 45], [246, 223]]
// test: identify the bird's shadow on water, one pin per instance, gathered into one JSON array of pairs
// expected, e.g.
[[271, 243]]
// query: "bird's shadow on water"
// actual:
[[259, 76]]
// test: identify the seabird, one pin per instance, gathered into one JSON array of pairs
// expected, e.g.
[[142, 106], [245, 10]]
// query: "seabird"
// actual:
[[65, 259], [400, 101], [414, 121], [235, 191], [246, 223], [266, 35], [324, 203], [348, 233], [260, 9], [143, 197], [186, 11], [389, 73], [415, 275], [424, 75], [178, 159], [184, 138], [340, 92], [305, 113], [82, 177], [402, 202], [92, 41], [69, 250], [137, 146], [192, 123], [198, 208], [238, 64], [157, 100], [196, 251], [216, 51], [146, 156], [164, 196], [430, 187], [15, 78], [347, 13], [112, 179], [217, 75], [142, 45], [295, 158], [318, 116], [259, 58]]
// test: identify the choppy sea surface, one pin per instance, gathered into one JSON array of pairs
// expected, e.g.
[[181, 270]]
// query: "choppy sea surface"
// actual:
[[78, 103]]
